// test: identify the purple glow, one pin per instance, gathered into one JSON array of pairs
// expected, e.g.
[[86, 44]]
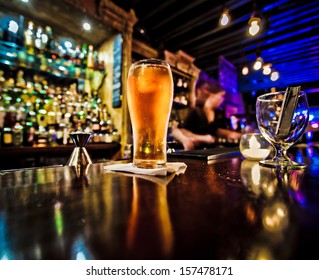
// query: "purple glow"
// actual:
[[309, 152], [300, 198]]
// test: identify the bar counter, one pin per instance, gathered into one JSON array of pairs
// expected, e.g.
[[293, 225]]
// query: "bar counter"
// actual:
[[228, 208]]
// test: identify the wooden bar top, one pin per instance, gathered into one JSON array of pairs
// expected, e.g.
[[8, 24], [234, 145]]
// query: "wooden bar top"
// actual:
[[228, 208]]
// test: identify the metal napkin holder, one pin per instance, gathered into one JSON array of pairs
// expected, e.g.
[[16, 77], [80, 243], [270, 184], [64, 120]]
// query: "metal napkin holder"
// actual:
[[287, 111]]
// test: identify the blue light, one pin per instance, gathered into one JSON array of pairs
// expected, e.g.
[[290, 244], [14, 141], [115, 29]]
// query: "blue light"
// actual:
[[300, 198], [314, 114], [274, 5], [5, 253], [299, 157], [309, 135], [282, 19], [311, 117], [79, 250]]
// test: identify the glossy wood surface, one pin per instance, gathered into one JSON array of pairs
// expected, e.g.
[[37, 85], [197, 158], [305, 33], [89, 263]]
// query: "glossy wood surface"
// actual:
[[18, 157], [229, 208]]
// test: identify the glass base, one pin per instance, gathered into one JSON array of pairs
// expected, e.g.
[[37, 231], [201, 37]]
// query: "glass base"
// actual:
[[148, 163], [286, 165]]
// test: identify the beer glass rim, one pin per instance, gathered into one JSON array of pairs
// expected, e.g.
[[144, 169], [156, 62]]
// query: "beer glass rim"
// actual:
[[266, 95], [151, 61]]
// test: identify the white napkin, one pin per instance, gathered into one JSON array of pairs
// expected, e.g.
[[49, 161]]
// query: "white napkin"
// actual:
[[171, 167]]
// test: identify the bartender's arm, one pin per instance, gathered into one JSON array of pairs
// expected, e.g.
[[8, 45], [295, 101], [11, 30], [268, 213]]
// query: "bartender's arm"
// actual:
[[190, 140]]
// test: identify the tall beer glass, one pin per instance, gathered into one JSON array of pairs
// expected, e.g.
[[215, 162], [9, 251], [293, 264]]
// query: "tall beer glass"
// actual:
[[150, 97]]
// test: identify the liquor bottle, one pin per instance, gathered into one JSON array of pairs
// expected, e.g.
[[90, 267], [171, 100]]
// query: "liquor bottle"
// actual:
[[7, 137], [60, 133], [1, 33], [90, 57], [74, 119], [106, 133], [28, 135], [2, 114], [82, 117], [29, 38], [22, 56], [10, 32], [38, 41], [48, 40], [29, 129], [20, 33], [10, 117], [21, 110], [7, 120], [20, 82], [51, 109], [41, 137], [43, 62], [42, 117], [104, 128], [84, 56], [77, 57], [2, 80], [17, 133], [52, 136], [96, 129]]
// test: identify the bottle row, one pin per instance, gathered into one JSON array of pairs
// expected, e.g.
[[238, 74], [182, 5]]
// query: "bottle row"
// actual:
[[36, 47], [43, 115]]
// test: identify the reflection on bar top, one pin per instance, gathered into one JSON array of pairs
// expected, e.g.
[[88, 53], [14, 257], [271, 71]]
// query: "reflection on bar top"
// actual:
[[207, 154]]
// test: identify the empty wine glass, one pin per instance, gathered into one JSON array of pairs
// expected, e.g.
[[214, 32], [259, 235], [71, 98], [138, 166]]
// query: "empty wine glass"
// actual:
[[282, 122]]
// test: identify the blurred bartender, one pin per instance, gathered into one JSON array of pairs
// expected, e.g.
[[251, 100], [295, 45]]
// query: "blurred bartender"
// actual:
[[202, 125]]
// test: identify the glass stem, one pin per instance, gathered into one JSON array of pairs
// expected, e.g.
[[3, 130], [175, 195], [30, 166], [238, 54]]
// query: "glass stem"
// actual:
[[282, 154]]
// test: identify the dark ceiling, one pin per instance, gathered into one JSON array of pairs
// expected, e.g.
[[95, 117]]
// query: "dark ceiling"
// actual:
[[289, 38]]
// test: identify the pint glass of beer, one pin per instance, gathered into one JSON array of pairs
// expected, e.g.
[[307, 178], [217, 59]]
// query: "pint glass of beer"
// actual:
[[150, 97]]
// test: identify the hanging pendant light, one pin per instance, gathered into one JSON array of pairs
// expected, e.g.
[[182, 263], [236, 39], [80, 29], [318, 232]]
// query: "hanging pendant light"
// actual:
[[224, 18], [254, 26], [267, 69], [245, 70], [254, 21], [274, 76], [258, 63]]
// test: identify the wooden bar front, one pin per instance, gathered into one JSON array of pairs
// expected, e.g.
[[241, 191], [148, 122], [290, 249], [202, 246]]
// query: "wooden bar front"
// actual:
[[22, 157]]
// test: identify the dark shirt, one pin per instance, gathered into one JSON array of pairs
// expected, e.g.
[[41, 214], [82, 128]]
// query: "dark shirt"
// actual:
[[196, 122]]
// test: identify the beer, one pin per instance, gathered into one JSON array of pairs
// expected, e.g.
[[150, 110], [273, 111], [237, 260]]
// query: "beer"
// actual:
[[150, 97]]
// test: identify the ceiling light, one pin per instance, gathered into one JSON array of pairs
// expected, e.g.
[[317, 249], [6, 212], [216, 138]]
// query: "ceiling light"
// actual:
[[254, 25], [224, 18], [86, 26], [258, 63], [25, 1], [266, 69], [274, 76], [245, 70], [142, 30]]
